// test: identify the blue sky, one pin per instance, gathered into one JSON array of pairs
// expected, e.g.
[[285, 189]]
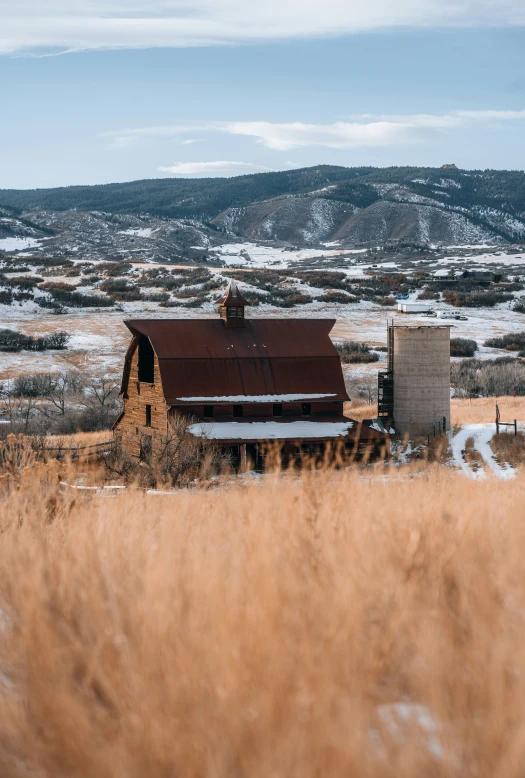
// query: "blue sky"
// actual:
[[132, 90]]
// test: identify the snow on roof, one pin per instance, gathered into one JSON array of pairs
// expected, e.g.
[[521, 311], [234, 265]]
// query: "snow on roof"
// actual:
[[270, 430], [255, 398]]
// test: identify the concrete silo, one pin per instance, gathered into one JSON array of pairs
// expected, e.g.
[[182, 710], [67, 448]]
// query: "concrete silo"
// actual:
[[415, 391]]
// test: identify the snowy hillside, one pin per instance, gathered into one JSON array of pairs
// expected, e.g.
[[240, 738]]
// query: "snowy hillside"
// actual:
[[302, 207]]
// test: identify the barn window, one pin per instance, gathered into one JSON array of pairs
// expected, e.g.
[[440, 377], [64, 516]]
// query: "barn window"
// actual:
[[306, 409], [278, 410], [208, 411], [238, 411], [148, 415], [146, 361]]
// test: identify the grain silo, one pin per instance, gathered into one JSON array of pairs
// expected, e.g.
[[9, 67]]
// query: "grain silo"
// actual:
[[415, 390]]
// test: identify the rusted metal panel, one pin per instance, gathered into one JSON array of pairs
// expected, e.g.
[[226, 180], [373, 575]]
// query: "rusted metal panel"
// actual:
[[209, 338], [201, 357]]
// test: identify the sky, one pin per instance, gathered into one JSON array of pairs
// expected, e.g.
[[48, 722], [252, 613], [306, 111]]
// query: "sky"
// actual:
[[94, 91]]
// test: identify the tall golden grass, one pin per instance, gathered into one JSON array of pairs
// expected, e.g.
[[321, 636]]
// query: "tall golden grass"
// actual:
[[266, 629], [476, 411], [483, 410]]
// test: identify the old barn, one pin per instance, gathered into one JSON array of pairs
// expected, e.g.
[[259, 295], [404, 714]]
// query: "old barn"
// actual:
[[241, 382]]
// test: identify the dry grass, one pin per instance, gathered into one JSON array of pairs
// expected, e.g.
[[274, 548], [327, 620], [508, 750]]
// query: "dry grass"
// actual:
[[79, 439], [477, 411], [359, 410], [265, 630], [472, 456], [483, 410], [508, 447]]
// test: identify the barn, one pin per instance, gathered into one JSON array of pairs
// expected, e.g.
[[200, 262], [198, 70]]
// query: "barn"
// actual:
[[241, 382]]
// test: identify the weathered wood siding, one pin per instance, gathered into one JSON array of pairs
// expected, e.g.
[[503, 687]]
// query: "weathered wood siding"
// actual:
[[132, 426]]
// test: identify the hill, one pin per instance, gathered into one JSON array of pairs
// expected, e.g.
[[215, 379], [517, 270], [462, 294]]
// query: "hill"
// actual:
[[310, 205]]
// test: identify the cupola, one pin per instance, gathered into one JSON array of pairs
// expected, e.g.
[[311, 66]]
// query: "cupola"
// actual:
[[231, 306]]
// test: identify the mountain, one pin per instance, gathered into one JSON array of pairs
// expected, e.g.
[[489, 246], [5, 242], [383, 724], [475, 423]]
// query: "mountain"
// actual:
[[95, 235], [303, 207]]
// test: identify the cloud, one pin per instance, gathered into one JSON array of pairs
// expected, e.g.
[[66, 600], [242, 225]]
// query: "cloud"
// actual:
[[68, 26], [220, 168], [369, 131], [339, 135], [361, 132]]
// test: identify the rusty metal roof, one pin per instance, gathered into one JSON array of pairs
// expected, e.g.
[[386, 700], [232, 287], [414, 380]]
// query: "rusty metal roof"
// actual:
[[201, 357], [357, 432], [232, 296]]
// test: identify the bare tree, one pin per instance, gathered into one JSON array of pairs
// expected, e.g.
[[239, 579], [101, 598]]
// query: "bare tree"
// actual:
[[175, 459], [100, 399]]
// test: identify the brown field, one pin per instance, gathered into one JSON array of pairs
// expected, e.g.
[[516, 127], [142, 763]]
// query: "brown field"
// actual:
[[78, 439], [478, 411], [483, 410], [286, 628]]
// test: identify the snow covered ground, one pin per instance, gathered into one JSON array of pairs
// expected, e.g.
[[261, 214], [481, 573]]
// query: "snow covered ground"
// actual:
[[254, 255], [481, 434], [18, 244], [99, 337]]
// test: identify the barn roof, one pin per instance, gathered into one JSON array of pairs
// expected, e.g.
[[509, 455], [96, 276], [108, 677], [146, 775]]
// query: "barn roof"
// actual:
[[203, 358], [330, 428]]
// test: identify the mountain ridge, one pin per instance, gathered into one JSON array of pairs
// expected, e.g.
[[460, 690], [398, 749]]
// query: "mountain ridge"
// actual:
[[310, 205]]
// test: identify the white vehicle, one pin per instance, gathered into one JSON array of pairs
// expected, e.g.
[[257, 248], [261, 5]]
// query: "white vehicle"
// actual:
[[414, 307]]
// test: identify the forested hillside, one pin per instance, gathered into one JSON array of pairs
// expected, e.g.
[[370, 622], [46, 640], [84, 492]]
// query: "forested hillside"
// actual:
[[207, 197], [310, 205]]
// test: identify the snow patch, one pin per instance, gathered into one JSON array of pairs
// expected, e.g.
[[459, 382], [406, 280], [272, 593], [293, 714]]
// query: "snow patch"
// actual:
[[482, 434], [270, 430], [257, 398], [17, 244]]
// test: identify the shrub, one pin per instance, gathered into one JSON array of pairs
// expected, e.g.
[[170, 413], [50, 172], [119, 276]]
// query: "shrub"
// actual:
[[50, 286], [338, 297], [429, 294], [462, 347], [49, 262], [113, 269], [290, 299], [156, 297], [351, 351], [515, 341], [112, 285], [79, 300], [475, 299], [186, 294], [519, 305], [10, 340], [385, 301], [24, 282], [324, 279], [488, 378]]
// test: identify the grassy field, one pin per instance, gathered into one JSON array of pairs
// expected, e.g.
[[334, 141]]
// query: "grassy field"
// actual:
[[478, 411], [341, 624], [483, 410]]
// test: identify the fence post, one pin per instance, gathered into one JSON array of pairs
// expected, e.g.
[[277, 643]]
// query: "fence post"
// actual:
[[497, 428], [515, 426]]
